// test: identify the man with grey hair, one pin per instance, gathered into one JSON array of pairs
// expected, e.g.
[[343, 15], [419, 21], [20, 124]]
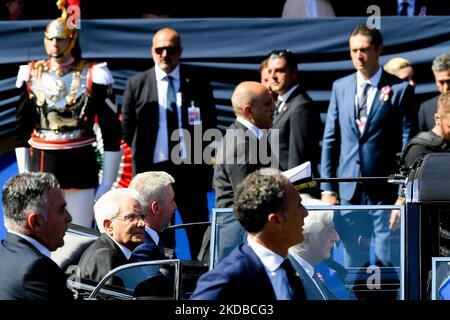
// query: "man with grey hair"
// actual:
[[319, 238], [441, 71], [269, 208], [155, 188], [36, 218], [120, 219]]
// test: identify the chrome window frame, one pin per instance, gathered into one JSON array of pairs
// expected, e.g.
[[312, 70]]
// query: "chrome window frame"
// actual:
[[177, 276], [434, 262], [215, 225]]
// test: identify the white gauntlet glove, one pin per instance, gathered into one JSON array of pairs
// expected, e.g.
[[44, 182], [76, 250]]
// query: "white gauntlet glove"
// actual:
[[23, 159]]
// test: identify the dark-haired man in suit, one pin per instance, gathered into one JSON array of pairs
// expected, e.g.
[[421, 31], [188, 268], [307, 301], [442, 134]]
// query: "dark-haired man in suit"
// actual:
[[370, 119], [159, 101], [37, 219], [269, 208], [296, 120]]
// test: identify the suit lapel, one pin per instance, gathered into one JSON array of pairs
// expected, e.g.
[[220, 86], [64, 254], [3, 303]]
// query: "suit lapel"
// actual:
[[152, 98], [259, 273], [376, 104], [185, 103], [349, 102], [312, 293], [107, 239], [287, 106]]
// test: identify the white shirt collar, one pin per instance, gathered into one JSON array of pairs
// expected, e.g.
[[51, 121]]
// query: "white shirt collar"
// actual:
[[373, 81], [153, 234], [42, 249], [125, 250], [288, 93], [285, 97], [269, 259], [250, 126], [160, 74]]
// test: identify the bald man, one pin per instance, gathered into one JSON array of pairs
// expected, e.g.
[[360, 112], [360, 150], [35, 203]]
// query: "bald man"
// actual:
[[239, 153], [156, 103], [243, 150]]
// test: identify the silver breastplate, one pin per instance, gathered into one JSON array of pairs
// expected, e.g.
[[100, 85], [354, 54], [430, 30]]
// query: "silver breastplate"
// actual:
[[59, 92]]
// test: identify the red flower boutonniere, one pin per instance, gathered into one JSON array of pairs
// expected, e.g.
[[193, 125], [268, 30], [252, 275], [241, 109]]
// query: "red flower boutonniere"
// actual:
[[385, 92], [320, 276]]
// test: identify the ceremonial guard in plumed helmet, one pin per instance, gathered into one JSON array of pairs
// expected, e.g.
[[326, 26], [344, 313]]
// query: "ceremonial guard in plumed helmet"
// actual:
[[65, 98]]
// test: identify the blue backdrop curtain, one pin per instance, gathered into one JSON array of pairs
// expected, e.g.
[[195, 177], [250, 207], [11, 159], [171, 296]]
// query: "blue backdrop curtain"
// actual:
[[228, 51]]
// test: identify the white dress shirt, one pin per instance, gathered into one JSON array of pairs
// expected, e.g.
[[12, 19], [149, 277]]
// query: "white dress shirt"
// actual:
[[271, 262], [285, 97], [161, 152], [250, 126], [373, 81]]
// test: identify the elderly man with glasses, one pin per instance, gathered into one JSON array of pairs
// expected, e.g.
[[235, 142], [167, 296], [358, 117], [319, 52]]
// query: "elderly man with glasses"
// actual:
[[120, 218], [159, 103]]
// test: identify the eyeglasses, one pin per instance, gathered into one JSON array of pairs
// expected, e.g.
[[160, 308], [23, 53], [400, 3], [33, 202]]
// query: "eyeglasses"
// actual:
[[132, 217], [170, 50]]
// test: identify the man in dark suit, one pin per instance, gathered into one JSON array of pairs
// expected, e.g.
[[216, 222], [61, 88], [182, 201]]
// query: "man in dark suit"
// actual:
[[157, 104], [441, 72], [244, 149], [155, 188], [239, 151], [319, 239], [36, 218], [120, 219], [296, 120], [269, 208], [370, 118]]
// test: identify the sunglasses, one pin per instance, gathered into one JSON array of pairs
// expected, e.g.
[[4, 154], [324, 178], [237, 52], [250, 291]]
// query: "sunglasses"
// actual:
[[170, 50]]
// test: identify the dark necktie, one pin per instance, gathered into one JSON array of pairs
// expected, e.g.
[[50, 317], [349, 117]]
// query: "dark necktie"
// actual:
[[404, 9], [277, 106], [171, 111], [298, 292], [361, 114], [161, 246]]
